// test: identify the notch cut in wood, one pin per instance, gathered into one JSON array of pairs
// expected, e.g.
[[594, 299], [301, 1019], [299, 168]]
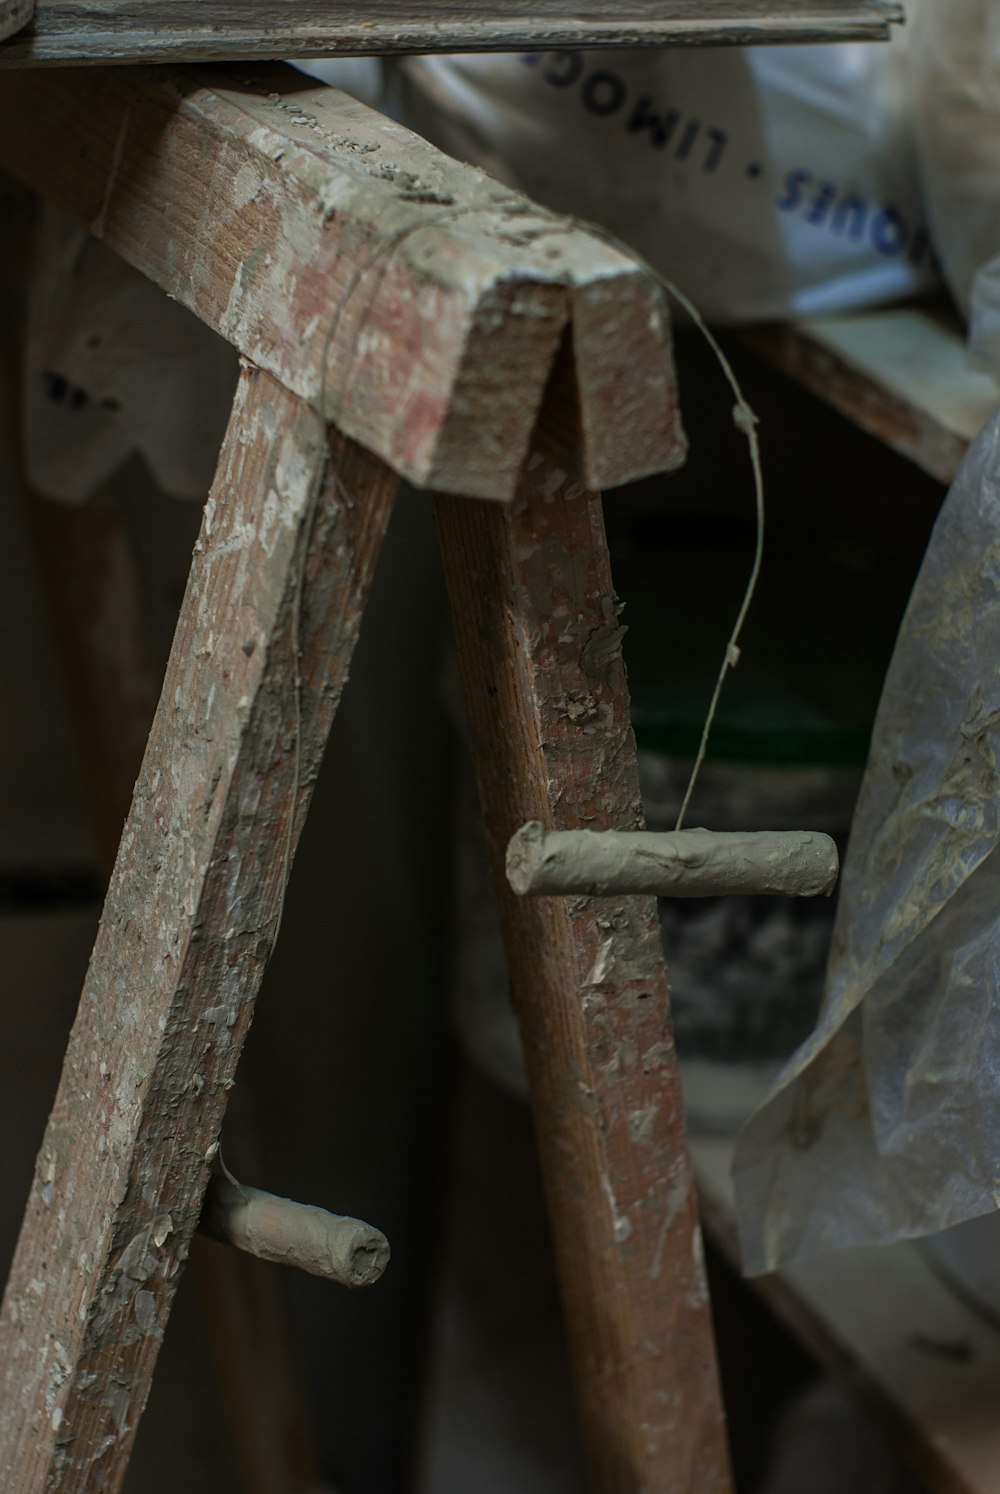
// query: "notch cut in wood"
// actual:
[[321, 239], [677, 863], [333, 1246]]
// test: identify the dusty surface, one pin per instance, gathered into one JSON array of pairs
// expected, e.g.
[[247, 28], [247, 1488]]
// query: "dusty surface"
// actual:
[[539, 644], [410, 299], [287, 547], [294, 1234], [82, 31], [677, 863]]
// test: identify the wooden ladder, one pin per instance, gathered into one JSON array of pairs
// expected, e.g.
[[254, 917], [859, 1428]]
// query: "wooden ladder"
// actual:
[[397, 315]]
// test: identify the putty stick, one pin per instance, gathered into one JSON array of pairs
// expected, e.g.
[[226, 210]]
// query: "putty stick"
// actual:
[[679, 863], [294, 1234]]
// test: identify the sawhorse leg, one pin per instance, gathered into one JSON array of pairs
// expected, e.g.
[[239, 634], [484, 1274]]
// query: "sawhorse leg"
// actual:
[[539, 644], [288, 545]]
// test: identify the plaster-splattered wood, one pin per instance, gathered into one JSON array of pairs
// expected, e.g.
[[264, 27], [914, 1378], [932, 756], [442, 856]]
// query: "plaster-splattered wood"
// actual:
[[288, 544], [410, 299], [93, 591], [539, 644], [191, 30]]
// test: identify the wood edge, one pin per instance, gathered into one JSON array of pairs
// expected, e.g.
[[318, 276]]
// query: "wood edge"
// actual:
[[533, 340], [630, 417], [808, 1329], [874, 409], [37, 48]]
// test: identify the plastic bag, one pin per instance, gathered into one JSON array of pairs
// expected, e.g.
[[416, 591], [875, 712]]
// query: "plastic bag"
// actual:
[[765, 181], [885, 1124], [954, 87], [115, 368]]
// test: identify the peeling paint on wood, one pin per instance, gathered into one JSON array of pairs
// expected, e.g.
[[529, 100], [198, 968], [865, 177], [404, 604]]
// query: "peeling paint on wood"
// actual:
[[413, 301], [290, 536], [539, 641]]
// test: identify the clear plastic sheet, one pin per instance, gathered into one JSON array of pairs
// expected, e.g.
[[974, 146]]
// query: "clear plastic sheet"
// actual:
[[954, 106], [886, 1123]]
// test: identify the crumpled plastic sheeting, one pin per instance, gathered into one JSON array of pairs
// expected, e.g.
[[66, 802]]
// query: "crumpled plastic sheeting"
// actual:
[[886, 1123], [115, 368], [953, 89]]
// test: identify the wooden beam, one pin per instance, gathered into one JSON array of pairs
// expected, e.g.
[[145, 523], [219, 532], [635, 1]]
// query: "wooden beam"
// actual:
[[903, 1339], [93, 590], [81, 31], [901, 373], [539, 644], [410, 300], [271, 613]]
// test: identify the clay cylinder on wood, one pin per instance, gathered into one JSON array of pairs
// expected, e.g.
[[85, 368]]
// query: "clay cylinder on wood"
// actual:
[[679, 863], [294, 1234]]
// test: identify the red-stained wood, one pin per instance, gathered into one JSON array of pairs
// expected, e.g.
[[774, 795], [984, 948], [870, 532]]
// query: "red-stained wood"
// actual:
[[416, 303], [539, 643], [289, 540]]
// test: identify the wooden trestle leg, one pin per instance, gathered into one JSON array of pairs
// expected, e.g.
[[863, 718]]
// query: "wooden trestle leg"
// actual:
[[539, 643], [277, 587]]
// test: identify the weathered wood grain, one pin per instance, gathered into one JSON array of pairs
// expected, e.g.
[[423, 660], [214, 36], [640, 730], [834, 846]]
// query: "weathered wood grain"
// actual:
[[539, 643], [411, 300], [288, 544], [93, 593], [75, 31], [901, 373]]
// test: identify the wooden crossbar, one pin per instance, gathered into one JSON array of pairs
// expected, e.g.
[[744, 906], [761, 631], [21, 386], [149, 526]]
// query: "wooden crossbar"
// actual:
[[84, 31], [411, 300]]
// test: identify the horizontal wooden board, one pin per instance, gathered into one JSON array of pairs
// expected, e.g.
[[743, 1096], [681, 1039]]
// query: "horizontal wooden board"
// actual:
[[899, 1340], [417, 304], [900, 373], [76, 31]]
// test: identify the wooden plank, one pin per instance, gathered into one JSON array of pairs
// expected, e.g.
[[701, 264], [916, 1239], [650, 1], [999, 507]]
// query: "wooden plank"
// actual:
[[539, 647], [414, 302], [93, 592], [271, 613], [75, 31], [903, 1344], [901, 374]]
